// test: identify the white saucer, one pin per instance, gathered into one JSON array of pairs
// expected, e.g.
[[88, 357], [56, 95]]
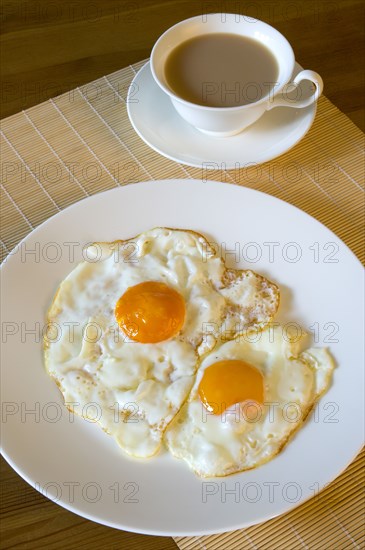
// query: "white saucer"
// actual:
[[155, 120]]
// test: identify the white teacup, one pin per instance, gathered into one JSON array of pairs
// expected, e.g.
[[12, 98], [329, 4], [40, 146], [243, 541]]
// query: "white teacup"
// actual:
[[227, 121]]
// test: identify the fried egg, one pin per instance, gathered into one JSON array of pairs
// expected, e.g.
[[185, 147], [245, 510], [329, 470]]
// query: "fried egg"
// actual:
[[250, 396], [128, 325]]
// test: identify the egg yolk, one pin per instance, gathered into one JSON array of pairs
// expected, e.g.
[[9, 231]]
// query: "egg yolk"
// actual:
[[150, 312], [228, 382]]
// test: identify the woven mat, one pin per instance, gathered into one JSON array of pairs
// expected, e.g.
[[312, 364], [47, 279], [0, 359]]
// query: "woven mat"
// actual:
[[82, 143]]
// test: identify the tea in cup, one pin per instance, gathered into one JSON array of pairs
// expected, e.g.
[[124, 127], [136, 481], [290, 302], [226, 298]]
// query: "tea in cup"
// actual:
[[222, 71]]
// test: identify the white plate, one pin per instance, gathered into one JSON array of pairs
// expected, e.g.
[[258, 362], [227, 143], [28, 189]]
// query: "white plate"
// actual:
[[75, 463], [155, 120]]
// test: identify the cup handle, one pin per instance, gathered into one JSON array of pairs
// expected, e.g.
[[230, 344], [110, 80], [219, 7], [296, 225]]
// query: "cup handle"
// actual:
[[281, 101]]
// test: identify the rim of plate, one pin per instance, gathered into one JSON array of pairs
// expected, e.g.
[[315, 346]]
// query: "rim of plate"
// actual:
[[205, 531]]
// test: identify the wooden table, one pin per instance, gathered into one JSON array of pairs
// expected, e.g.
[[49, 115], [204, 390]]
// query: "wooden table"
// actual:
[[49, 48]]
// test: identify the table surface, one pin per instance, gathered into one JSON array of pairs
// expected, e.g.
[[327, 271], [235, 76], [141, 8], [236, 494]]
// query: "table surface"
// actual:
[[50, 48]]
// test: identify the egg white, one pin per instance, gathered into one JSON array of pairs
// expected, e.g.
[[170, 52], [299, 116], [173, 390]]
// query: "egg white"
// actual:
[[139, 388], [233, 441]]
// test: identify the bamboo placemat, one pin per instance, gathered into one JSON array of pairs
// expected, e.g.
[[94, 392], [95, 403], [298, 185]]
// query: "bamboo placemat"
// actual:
[[82, 142]]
